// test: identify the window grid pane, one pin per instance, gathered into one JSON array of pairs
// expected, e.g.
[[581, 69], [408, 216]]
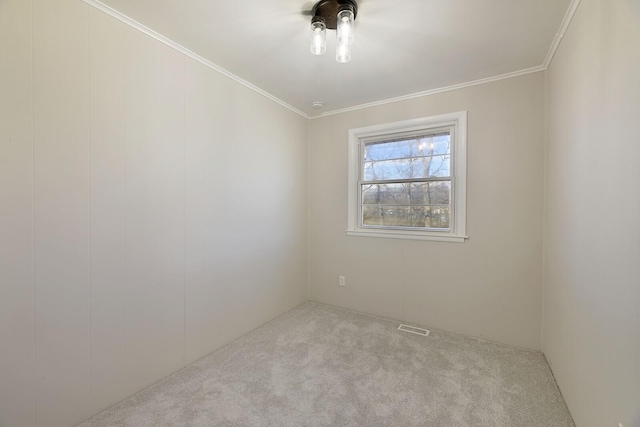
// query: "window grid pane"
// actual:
[[428, 217], [419, 167], [407, 194], [421, 195], [425, 156]]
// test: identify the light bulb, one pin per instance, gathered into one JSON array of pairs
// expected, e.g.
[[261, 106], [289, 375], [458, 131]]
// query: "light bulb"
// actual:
[[343, 53], [318, 38], [346, 18]]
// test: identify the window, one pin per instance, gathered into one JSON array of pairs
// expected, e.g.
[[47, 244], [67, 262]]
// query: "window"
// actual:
[[407, 179]]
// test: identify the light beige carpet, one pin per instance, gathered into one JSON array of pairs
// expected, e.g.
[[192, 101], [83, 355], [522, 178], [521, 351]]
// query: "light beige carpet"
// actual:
[[323, 366]]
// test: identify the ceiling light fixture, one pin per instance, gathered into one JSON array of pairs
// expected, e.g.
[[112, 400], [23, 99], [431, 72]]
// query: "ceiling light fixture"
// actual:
[[338, 15]]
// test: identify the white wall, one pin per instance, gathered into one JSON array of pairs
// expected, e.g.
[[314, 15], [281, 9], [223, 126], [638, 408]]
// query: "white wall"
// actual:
[[17, 333], [592, 232], [151, 211], [489, 286]]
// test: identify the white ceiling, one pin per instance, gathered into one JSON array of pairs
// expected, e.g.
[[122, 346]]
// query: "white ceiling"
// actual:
[[402, 46]]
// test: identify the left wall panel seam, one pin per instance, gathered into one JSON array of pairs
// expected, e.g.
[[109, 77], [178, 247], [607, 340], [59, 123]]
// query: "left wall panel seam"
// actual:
[[184, 211], [33, 219], [90, 205]]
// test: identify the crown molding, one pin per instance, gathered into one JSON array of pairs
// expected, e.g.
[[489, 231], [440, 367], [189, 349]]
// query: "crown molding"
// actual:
[[573, 6], [162, 39], [434, 91], [571, 11]]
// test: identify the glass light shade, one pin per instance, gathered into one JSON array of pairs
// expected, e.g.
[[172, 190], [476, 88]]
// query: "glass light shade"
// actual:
[[345, 27], [318, 38], [343, 53]]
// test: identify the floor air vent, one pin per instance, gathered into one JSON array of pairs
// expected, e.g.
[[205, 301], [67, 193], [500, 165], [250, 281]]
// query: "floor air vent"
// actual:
[[414, 330]]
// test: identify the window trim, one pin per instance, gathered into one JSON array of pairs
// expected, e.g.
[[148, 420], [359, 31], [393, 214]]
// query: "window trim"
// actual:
[[357, 137]]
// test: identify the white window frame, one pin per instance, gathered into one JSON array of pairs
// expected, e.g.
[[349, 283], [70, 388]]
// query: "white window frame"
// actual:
[[357, 137]]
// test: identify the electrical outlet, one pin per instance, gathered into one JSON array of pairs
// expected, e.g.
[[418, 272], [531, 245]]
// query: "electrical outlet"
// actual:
[[342, 281]]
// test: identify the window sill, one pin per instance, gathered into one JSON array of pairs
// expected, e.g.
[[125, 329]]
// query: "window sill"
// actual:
[[407, 235]]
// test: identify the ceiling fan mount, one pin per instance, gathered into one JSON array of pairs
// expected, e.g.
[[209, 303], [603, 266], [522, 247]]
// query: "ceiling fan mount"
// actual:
[[327, 11]]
